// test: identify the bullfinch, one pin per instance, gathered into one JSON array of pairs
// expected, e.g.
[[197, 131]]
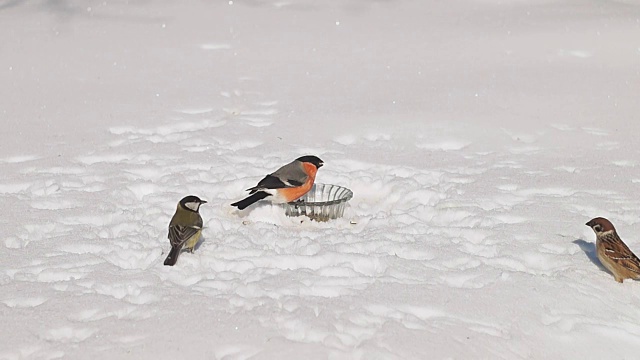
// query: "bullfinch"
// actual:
[[185, 227], [287, 184]]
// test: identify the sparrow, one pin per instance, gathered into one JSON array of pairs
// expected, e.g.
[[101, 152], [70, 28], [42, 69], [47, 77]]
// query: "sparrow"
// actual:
[[287, 184], [184, 228], [612, 252]]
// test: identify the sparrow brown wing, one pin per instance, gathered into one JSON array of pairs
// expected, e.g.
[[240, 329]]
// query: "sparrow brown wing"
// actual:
[[616, 250], [179, 234]]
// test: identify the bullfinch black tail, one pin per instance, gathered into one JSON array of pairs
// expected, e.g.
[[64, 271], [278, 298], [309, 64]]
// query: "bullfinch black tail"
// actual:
[[173, 256], [242, 204]]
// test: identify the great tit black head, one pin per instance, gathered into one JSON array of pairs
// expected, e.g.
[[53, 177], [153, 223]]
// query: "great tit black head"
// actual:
[[191, 203]]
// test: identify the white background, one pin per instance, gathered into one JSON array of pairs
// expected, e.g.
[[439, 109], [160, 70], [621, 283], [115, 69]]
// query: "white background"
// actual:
[[477, 136]]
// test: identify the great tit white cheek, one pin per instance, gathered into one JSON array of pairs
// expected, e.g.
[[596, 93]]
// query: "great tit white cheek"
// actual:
[[193, 205]]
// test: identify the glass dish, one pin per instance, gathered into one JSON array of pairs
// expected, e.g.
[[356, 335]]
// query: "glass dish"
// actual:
[[322, 203]]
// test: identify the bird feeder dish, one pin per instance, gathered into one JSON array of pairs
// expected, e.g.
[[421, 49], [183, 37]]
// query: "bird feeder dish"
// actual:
[[322, 203]]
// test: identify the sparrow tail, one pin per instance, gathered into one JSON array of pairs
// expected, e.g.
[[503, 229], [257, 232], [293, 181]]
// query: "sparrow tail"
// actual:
[[242, 204], [173, 256]]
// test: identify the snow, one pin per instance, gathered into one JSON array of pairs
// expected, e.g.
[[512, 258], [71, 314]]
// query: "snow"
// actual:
[[478, 137]]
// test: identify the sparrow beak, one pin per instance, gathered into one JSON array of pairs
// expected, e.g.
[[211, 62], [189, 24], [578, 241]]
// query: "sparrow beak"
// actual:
[[320, 165]]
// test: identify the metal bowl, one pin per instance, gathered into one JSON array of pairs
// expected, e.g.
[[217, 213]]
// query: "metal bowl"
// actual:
[[322, 203]]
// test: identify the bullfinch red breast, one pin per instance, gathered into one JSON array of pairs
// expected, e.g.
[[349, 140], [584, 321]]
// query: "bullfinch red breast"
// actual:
[[287, 184]]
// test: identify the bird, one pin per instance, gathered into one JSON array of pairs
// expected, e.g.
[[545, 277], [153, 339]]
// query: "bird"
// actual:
[[185, 227], [614, 254], [287, 184]]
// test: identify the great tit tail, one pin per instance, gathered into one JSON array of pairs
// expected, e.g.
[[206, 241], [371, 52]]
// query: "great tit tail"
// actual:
[[242, 204], [172, 258]]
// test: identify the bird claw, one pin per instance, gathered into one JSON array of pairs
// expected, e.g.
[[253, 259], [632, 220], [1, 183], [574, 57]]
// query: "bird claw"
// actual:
[[298, 202]]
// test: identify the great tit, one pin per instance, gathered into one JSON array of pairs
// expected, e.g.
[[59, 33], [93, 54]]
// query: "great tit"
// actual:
[[185, 227]]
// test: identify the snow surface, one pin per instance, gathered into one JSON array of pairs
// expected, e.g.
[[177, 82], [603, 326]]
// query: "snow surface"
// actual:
[[478, 137]]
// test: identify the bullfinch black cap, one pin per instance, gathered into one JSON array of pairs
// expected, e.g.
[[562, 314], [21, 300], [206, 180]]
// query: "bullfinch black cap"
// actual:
[[311, 159]]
